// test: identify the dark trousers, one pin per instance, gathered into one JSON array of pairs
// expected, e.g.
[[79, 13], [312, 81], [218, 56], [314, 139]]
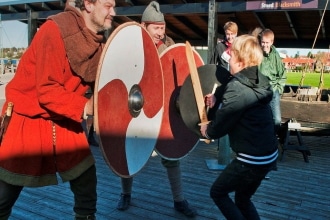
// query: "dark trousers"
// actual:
[[8, 196], [244, 181], [83, 188]]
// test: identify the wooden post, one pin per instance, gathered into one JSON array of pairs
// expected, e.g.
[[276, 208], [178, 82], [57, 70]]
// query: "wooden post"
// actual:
[[32, 26], [212, 28], [224, 153]]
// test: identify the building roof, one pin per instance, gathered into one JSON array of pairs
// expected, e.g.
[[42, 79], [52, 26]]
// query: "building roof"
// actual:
[[298, 60], [295, 23]]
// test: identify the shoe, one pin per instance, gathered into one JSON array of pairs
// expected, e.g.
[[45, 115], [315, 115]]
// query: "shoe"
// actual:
[[124, 202], [84, 217], [184, 208]]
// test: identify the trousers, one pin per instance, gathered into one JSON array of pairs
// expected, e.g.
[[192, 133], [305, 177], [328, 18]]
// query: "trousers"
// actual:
[[244, 180], [174, 177], [275, 105], [83, 188]]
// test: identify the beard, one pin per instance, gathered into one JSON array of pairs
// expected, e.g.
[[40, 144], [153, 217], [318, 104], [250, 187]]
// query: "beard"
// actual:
[[101, 24]]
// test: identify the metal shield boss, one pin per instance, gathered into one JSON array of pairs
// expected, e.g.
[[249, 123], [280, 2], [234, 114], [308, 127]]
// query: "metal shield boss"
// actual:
[[175, 139], [128, 99]]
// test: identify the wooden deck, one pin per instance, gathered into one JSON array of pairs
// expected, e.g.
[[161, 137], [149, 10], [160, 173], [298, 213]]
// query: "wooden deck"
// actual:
[[298, 190]]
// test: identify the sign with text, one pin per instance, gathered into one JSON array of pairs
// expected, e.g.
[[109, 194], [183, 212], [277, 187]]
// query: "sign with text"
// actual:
[[278, 5]]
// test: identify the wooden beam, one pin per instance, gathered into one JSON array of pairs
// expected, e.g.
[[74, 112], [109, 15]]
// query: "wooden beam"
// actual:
[[32, 26], [194, 28], [45, 6], [261, 24], [291, 24], [212, 29]]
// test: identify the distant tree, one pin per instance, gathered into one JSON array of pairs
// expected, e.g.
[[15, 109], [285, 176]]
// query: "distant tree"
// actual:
[[284, 51], [310, 55], [318, 66], [297, 55], [321, 58], [19, 55], [9, 54]]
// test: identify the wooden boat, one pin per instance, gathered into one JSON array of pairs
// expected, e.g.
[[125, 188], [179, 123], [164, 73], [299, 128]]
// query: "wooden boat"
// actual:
[[309, 106]]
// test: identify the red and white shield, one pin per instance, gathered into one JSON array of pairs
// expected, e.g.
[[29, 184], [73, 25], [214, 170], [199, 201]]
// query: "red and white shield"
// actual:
[[128, 99], [175, 139]]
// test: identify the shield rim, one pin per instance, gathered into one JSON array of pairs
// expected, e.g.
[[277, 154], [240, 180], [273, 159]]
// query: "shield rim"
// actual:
[[96, 88]]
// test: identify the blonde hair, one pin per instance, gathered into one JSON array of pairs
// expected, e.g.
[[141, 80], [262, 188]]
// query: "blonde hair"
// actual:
[[256, 32], [247, 50], [230, 25], [267, 33]]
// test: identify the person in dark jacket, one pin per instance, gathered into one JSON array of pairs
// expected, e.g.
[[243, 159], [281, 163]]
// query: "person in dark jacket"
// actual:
[[245, 115], [221, 56], [221, 53]]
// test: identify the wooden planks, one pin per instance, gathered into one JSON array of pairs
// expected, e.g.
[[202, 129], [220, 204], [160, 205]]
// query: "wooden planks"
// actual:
[[298, 190]]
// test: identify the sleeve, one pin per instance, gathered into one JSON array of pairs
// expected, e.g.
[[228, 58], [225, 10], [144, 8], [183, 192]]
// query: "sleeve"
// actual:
[[215, 54], [229, 112], [280, 72], [51, 77], [170, 41], [219, 48]]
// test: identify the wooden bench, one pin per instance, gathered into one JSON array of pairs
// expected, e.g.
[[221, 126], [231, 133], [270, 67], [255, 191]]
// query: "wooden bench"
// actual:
[[292, 127]]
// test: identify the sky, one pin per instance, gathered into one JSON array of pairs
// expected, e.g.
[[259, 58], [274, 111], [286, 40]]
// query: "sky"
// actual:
[[14, 34]]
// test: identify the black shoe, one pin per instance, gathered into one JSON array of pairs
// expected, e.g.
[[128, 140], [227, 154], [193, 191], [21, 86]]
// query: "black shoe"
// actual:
[[184, 208], [124, 202], [84, 217]]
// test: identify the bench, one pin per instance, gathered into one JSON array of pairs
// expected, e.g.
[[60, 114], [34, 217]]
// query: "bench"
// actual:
[[289, 128]]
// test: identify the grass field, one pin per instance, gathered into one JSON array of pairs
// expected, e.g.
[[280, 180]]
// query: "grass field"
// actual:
[[311, 79]]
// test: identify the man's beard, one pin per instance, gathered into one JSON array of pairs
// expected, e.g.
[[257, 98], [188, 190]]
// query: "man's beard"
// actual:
[[100, 26]]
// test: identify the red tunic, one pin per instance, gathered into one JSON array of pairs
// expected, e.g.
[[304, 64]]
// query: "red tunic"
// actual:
[[45, 135]]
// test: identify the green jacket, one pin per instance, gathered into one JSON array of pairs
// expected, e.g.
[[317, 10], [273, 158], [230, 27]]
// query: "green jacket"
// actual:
[[273, 67]]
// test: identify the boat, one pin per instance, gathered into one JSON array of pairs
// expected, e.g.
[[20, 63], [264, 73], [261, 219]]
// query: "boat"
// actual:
[[309, 106]]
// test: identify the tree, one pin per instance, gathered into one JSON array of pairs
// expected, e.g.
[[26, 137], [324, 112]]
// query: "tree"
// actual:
[[310, 55], [322, 58]]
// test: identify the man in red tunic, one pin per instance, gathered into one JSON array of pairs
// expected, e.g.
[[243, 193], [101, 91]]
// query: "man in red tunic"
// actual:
[[45, 136]]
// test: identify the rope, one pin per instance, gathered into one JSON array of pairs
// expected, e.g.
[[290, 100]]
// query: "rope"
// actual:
[[317, 33]]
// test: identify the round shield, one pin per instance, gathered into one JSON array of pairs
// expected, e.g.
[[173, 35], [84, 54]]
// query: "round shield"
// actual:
[[175, 140], [208, 77], [128, 99]]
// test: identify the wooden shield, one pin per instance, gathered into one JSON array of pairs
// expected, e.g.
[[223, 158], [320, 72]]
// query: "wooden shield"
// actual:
[[175, 140], [209, 80], [128, 99]]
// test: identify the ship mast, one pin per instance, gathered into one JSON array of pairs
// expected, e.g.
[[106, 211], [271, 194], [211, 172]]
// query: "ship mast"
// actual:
[[321, 84], [317, 33]]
